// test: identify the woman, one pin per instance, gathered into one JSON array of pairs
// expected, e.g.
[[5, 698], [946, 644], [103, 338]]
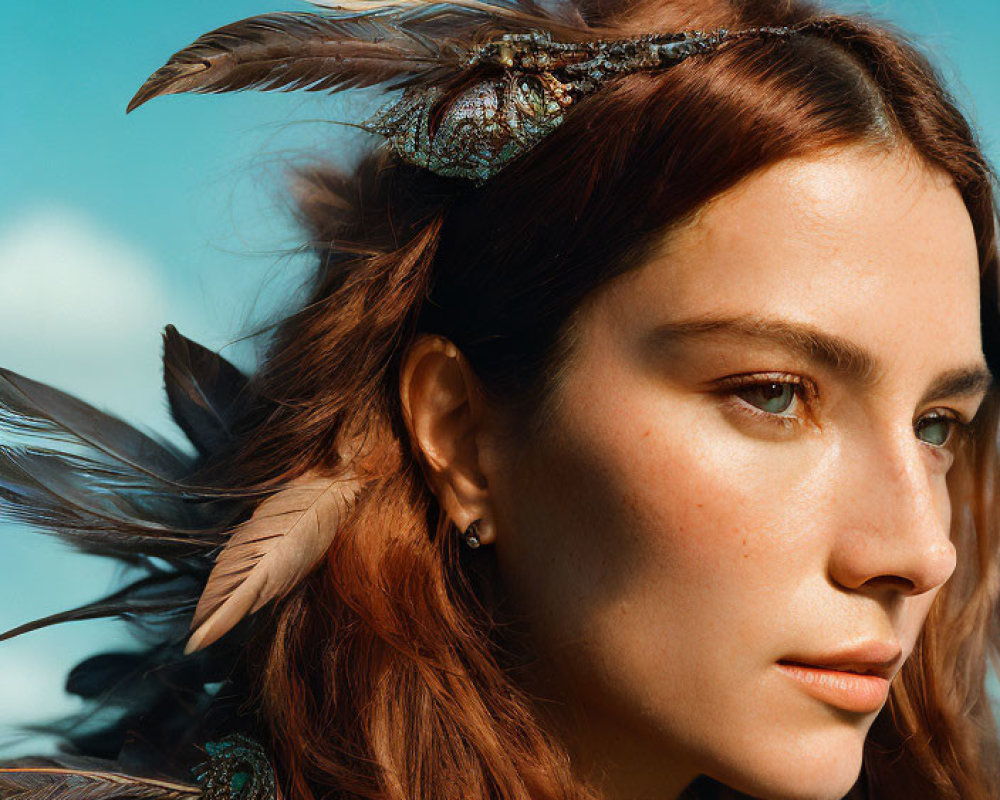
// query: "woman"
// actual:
[[638, 438]]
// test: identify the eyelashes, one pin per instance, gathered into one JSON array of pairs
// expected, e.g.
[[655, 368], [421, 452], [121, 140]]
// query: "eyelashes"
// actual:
[[958, 430], [785, 400], [768, 397]]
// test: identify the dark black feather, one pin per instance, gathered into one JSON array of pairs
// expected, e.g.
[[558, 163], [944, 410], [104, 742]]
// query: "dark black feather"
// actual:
[[95, 676], [204, 390], [161, 593], [100, 506], [33, 409]]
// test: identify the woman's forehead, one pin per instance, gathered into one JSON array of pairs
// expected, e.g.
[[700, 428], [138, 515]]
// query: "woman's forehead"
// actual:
[[842, 239], [840, 195], [872, 250]]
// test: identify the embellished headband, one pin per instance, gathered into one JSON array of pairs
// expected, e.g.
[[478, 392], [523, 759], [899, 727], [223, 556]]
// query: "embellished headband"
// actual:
[[469, 106], [496, 119]]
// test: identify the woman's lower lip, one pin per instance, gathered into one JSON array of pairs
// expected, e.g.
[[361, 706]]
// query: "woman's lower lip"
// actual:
[[847, 690]]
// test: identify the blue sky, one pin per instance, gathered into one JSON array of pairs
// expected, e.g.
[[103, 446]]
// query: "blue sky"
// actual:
[[113, 226]]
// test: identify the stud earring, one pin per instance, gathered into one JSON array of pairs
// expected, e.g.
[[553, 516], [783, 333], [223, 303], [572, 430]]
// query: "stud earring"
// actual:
[[472, 535]]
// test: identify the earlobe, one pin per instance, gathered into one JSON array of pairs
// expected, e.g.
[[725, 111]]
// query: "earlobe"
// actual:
[[442, 408]]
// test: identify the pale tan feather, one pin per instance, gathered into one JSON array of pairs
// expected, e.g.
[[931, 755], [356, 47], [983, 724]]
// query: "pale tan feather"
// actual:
[[552, 15], [271, 552], [65, 777], [363, 6]]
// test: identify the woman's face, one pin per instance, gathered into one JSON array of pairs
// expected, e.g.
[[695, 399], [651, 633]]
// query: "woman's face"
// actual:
[[746, 463]]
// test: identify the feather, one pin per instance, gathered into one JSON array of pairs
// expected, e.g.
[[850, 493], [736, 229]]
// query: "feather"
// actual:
[[204, 391], [97, 482], [100, 506], [92, 677], [298, 51], [67, 778], [29, 408], [271, 552], [396, 43], [162, 593], [528, 14], [564, 11]]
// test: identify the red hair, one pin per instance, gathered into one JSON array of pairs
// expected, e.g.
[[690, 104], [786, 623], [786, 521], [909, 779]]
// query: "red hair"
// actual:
[[391, 672]]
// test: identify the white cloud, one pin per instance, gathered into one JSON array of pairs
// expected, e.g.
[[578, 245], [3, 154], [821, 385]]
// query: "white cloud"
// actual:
[[32, 691], [62, 276], [81, 308]]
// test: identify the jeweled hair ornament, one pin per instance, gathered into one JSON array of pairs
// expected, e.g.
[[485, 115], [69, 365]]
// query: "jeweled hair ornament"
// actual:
[[482, 83]]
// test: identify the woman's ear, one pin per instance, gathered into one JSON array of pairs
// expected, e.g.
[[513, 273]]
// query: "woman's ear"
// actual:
[[445, 416]]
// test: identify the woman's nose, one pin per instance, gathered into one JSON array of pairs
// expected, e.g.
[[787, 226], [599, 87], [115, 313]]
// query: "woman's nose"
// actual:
[[892, 520]]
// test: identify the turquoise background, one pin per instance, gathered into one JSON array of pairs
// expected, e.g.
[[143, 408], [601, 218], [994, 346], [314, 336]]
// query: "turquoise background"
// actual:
[[112, 226]]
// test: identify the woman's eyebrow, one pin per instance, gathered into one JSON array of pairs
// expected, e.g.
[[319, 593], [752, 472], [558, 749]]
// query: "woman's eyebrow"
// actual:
[[840, 355]]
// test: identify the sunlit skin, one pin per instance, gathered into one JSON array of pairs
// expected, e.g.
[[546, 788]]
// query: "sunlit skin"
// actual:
[[669, 536]]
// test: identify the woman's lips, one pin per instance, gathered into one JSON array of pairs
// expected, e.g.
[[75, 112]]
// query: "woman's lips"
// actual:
[[847, 690]]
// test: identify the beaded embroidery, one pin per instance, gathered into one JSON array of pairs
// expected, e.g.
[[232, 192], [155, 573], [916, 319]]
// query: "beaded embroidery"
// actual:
[[237, 769], [493, 121]]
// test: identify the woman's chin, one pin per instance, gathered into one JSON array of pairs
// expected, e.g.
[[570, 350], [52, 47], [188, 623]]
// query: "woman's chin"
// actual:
[[813, 767]]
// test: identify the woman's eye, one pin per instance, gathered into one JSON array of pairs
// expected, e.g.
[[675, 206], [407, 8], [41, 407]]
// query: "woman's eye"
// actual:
[[779, 398], [938, 430], [787, 400], [773, 397]]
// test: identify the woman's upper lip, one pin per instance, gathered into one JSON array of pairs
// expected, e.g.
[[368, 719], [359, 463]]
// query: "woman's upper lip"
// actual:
[[872, 658]]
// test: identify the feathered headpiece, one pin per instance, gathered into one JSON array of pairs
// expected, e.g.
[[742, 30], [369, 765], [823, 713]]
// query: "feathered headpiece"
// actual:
[[482, 83]]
